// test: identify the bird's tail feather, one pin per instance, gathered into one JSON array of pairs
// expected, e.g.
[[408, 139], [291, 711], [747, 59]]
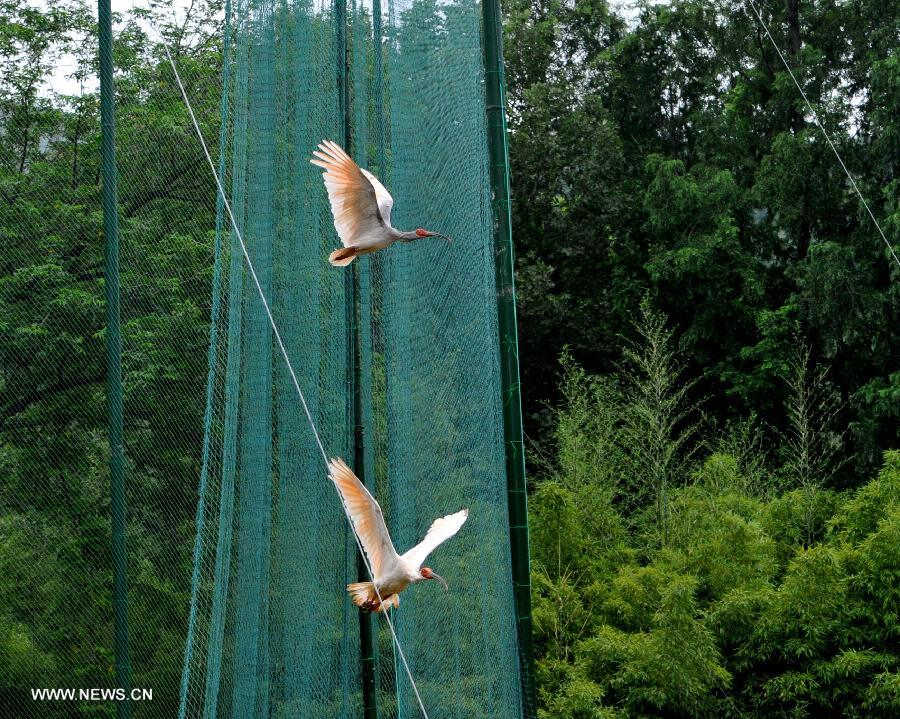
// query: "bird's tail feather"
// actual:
[[364, 593], [342, 256], [361, 591]]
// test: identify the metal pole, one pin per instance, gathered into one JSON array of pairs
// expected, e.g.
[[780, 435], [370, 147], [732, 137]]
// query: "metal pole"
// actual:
[[509, 345], [366, 639], [113, 352], [354, 388]]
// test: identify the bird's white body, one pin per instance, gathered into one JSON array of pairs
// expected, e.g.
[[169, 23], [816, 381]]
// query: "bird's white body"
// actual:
[[375, 235], [396, 578], [391, 572]]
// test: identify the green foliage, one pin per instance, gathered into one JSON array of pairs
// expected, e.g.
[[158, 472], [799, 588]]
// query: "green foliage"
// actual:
[[657, 423], [760, 603], [55, 578], [670, 663], [671, 154], [716, 538], [870, 504], [592, 408], [724, 472], [811, 446], [798, 518]]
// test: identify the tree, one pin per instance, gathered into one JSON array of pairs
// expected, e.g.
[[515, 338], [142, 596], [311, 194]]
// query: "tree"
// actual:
[[671, 155], [54, 507], [658, 422], [743, 612]]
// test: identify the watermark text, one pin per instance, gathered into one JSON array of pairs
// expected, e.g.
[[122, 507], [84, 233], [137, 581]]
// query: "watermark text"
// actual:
[[94, 694]]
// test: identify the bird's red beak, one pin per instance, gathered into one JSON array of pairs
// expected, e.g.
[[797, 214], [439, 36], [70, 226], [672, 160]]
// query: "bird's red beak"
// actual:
[[428, 233]]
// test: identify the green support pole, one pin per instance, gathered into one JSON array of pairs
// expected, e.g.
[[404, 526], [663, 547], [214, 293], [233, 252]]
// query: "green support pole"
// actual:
[[113, 351], [366, 643], [509, 346], [354, 408]]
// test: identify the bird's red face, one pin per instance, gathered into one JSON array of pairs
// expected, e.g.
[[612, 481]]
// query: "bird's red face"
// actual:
[[422, 232], [428, 573]]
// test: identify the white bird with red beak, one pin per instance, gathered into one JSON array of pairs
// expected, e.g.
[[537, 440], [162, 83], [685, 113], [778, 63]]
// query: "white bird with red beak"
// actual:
[[360, 205], [392, 573]]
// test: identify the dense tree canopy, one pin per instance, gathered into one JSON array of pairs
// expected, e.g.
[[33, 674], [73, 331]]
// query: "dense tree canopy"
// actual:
[[55, 564], [692, 556], [741, 600], [673, 155]]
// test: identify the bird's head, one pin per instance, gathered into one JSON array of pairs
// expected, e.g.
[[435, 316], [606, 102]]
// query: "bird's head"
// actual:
[[422, 232], [428, 573]]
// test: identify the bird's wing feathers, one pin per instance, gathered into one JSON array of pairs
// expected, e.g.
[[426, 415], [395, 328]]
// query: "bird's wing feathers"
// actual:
[[366, 515], [385, 201], [440, 531], [355, 194]]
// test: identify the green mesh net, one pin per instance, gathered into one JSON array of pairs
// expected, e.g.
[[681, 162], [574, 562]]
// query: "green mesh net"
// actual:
[[237, 549], [397, 356], [56, 592]]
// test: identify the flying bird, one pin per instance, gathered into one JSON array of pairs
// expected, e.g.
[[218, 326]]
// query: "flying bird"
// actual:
[[392, 572], [361, 207]]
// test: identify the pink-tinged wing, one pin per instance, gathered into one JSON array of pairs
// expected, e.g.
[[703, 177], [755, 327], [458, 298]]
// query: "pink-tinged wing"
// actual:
[[353, 197], [440, 531], [366, 515]]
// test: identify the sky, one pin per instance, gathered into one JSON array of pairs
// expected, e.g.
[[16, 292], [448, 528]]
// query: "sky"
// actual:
[[61, 83]]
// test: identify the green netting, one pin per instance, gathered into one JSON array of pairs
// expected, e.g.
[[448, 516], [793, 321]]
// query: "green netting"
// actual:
[[56, 592], [403, 345], [234, 535], [167, 211], [266, 543]]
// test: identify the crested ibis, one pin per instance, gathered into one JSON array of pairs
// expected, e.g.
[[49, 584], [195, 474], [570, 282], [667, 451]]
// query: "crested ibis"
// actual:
[[361, 207], [391, 572]]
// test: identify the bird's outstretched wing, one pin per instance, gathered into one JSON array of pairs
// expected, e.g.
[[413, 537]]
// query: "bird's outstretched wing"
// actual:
[[440, 531], [385, 201], [353, 193], [366, 515]]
